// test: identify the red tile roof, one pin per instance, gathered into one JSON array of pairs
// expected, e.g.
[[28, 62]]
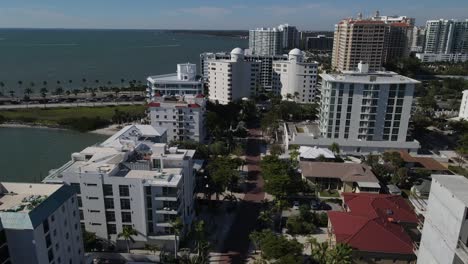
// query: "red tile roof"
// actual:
[[427, 163], [373, 223], [154, 104], [194, 105], [200, 96]]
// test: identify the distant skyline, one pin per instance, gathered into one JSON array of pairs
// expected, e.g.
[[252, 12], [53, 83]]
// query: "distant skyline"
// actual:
[[211, 14]]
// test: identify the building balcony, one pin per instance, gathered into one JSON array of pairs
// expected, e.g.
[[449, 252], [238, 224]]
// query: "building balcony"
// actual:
[[462, 250], [168, 196]]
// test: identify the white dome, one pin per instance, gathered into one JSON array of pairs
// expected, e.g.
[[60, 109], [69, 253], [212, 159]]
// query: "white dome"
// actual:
[[237, 51], [295, 52]]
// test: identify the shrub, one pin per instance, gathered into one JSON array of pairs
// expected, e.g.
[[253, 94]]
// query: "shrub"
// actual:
[[84, 124], [320, 219], [2, 119], [297, 225]]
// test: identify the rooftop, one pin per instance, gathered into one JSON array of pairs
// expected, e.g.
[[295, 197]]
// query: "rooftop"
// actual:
[[425, 162], [23, 197], [349, 172], [314, 152], [456, 184], [372, 223], [171, 77], [378, 77]]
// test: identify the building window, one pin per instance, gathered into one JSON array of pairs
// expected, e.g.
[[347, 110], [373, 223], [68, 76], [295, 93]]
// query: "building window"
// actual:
[[76, 186], [110, 216], [93, 198], [80, 202], [124, 190], [148, 188], [125, 204], [109, 203], [150, 214], [48, 241], [126, 217], [111, 229], [45, 225], [81, 215], [50, 254], [107, 189]]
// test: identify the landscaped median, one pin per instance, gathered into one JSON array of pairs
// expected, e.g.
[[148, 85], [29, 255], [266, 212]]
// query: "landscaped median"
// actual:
[[77, 118]]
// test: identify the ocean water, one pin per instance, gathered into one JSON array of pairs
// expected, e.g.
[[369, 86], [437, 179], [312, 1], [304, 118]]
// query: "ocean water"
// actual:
[[36, 56], [27, 154]]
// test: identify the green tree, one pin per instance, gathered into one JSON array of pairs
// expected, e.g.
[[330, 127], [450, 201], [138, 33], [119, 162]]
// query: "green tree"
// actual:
[[335, 148], [340, 254], [177, 227], [90, 241], [276, 150], [277, 247], [127, 234]]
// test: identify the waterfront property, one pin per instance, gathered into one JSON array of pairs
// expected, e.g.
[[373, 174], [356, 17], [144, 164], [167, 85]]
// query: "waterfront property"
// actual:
[[378, 227], [131, 183], [182, 117], [344, 177], [40, 224], [184, 82], [445, 232]]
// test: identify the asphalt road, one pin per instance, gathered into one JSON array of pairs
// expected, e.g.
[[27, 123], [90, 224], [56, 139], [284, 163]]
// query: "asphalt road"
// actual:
[[236, 245]]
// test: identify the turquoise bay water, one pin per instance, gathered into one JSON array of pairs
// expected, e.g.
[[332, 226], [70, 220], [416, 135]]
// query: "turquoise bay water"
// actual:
[[106, 55], [27, 154]]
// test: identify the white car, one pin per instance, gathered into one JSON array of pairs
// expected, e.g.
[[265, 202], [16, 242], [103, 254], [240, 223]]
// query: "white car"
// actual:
[[295, 205]]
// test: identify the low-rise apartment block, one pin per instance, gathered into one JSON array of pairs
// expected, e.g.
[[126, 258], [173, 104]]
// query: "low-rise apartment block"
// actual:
[[40, 224], [131, 183]]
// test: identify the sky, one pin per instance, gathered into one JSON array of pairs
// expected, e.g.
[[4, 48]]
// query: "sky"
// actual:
[[213, 14]]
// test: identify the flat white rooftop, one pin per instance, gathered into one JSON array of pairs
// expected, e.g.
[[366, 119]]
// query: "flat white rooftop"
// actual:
[[378, 77], [166, 177], [23, 197], [456, 184], [170, 78]]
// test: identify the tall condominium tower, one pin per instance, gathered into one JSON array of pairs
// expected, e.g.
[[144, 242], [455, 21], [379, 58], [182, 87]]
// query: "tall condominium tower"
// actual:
[[265, 41], [446, 36], [290, 38], [358, 40]]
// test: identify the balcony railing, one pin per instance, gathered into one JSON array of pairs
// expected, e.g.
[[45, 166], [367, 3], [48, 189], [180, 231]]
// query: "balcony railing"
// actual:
[[462, 248]]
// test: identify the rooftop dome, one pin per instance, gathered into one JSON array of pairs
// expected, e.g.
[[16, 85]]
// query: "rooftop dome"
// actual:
[[296, 52], [237, 51]]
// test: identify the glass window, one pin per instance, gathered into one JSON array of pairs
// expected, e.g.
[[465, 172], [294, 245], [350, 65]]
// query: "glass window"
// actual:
[[110, 216], [50, 254], [109, 203], [124, 190], [150, 215], [76, 186], [107, 189], [45, 225], [148, 190], [126, 217], [48, 241], [111, 229], [125, 204]]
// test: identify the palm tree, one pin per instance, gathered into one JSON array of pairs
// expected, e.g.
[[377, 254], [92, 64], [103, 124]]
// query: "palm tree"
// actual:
[[12, 93], [340, 254], [20, 83], [335, 148], [318, 250], [2, 85], [127, 234], [177, 226], [152, 248], [28, 91], [44, 92], [116, 91], [122, 81], [44, 83], [59, 91]]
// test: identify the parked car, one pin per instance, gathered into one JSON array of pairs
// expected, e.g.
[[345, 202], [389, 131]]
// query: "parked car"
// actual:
[[295, 205], [315, 204]]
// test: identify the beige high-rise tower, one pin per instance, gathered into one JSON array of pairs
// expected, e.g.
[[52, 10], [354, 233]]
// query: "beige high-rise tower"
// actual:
[[358, 40]]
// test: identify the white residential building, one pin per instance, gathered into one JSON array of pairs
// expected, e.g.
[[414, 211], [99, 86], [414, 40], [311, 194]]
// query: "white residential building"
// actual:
[[182, 117], [446, 36], [232, 79], [266, 41], [296, 79], [463, 113], [393, 19], [130, 183], [41, 224], [184, 82], [442, 57], [363, 112], [445, 233]]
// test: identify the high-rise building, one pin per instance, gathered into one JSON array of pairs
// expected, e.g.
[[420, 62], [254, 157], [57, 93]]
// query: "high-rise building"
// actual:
[[463, 113], [358, 40], [393, 19], [446, 36], [183, 117], [266, 41], [40, 224], [319, 42], [184, 82], [131, 182], [418, 39], [232, 79], [362, 110], [399, 39], [290, 37], [296, 79], [444, 237]]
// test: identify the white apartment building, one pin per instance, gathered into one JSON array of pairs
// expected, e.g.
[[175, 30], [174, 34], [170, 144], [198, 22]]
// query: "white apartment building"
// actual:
[[364, 112], [232, 79], [41, 224], [445, 232], [296, 79], [442, 57], [131, 183], [182, 117], [265, 78], [463, 113], [446, 36], [266, 41], [393, 19], [183, 82]]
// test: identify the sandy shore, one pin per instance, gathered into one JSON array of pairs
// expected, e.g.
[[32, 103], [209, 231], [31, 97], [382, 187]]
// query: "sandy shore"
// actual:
[[108, 131]]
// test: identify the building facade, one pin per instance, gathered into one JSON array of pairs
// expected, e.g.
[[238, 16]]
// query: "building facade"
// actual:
[[463, 113], [128, 183], [446, 36], [41, 224], [296, 79], [290, 37], [366, 110], [319, 42], [184, 82], [266, 41], [442, 57], [182, 117], [358, 40], [232, 79], [445, 232]]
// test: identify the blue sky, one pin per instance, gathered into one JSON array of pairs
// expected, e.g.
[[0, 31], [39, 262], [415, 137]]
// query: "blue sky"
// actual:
[[211, 14]]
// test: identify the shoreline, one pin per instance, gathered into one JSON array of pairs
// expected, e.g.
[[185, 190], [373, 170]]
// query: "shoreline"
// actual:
[[106, 131]]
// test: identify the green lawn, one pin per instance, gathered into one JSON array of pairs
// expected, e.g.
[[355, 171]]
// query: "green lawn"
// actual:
[[459, 170], [51, 116], [331, 193]]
